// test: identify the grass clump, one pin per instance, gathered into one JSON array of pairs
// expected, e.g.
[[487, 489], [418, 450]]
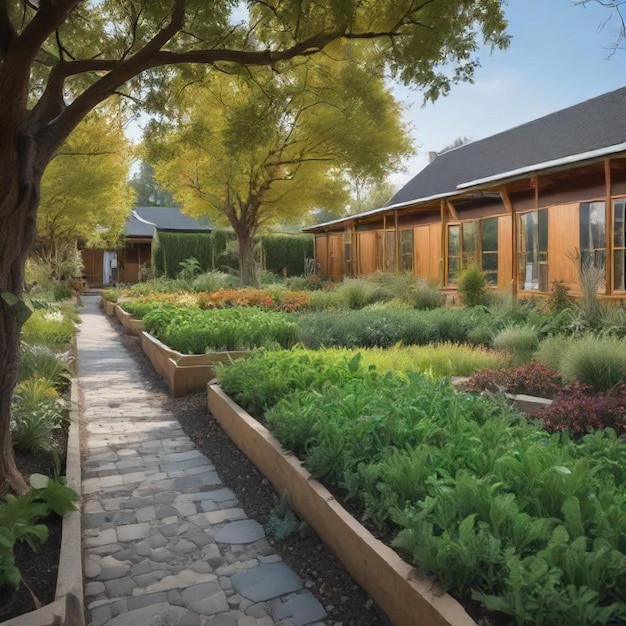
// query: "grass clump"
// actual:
[[599, 362], [518, 341], [472, 285]]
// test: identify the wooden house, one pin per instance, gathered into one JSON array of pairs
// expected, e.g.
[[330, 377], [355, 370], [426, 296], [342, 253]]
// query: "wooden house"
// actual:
[[123, 265], [530, 206]]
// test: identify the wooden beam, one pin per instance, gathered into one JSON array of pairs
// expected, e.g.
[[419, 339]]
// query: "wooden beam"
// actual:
[[444, 242], [609, 227], [452, 210], [397, 235], [357, 250], [536, 186], [506, 200]]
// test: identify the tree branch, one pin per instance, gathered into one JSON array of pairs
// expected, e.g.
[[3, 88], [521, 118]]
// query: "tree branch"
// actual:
[[7, 30]]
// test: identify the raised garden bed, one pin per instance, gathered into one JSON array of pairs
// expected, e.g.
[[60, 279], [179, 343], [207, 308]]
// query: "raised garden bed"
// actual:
[[403, 596], [183, 372], [67, 607], [109, 307], [132, 325]]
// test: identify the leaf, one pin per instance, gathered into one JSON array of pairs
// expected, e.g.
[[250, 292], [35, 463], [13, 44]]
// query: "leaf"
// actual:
[[22, 307], [39, 481]]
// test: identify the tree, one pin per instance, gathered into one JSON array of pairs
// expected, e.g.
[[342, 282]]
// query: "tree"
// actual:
[[59, 59], [84, 191], [273, 149], [147, 190]]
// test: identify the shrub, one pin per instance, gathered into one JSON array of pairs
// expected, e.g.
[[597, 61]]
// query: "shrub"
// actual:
[[48, 328], [357, 293], [424, 296], [520, 342], [578, 411], [472, 285], [325, 300], [535, 379], [599, 362], [212, 281], [552, 349], [42, 362], [559, 299]]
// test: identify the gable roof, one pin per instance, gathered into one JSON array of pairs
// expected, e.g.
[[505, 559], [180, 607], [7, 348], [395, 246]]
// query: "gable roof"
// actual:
[[596, 124], [591, 129], [143, 221]]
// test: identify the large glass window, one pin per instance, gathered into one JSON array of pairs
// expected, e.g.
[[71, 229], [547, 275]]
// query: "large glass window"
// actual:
[[619, 244], [454, 252], [593, 234], [489, 249], [406, 248], [473, 243], [533, 251]]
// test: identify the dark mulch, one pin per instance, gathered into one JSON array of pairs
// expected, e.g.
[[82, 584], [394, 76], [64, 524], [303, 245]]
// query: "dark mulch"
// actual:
[[39, 569], [323, 574]]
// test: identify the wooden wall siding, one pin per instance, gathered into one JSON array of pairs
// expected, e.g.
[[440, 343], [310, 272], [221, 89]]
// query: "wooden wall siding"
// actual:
[[92, 261], [335, 257], [367, 253], [506, 253], [321, 257], [563, 239], [427, 252]]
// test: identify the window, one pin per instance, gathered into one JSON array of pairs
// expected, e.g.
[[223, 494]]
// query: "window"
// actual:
[[619, 244], [386, 251], [347, 254], [454, 252], [473, 243], [489, 249], [593, 234], [406, 249], [533, 251]]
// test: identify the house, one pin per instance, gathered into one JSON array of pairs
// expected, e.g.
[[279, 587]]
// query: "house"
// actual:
[[105, 267], [529, 206]]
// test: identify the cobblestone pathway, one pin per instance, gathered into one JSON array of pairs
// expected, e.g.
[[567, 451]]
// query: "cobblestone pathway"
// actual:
[[165, 542]]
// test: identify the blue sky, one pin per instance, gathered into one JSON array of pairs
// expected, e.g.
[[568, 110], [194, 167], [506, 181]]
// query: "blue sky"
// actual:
[[558, 56]]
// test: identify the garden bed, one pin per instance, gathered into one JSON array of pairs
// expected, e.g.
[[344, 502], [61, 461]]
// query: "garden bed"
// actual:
[[390, 581], [132, 325], [67, 607], [183, 372]]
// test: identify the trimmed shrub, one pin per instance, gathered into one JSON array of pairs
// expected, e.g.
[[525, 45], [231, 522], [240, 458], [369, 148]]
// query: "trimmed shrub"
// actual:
[[472, 285], [286, 251]]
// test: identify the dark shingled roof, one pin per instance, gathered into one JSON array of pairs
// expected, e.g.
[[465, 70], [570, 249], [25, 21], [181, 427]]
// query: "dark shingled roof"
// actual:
[[591, 125], [143, 221]]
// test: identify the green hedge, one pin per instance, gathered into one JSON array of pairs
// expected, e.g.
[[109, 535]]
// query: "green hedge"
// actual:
[[286, 251], [169, 249]]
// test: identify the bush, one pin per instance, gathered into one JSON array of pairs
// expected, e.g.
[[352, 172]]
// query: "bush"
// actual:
[[559, 299], [214, 280], [472, 285], [42, 362], [357, 293], [49, 328], [424, 296], [599, 362], [552, 349], [579, 411], [520, 342]]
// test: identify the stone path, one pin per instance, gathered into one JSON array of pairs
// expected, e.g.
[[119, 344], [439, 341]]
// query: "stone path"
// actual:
[[165, 542]]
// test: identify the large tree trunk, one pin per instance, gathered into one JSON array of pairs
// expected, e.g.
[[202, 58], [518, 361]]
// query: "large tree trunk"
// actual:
[[247, 268], [17, 231]]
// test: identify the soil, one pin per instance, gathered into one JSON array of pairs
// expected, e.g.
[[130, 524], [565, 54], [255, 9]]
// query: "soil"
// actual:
[[38, 569]]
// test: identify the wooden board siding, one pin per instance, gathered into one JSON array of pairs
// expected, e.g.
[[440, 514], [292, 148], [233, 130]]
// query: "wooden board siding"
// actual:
[[563, 239], [321, 258], [366, 263], [506, 254], [427, 252], [335, 257], [92, 262]]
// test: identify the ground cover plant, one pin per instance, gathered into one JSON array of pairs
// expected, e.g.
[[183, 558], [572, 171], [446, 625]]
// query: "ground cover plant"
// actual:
[[487, 502], [194, 331]]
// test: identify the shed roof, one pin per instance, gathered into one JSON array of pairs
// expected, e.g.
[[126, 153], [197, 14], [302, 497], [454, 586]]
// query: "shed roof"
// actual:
[[143, 221]]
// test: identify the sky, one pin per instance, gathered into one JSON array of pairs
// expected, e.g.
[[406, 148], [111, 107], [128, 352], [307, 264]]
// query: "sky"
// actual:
[[559, 55]]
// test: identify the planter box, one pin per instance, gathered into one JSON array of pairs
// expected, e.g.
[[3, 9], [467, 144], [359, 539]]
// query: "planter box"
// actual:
[[67, 608], [109, 307], [184, 372], [404, 597], [132, 325]]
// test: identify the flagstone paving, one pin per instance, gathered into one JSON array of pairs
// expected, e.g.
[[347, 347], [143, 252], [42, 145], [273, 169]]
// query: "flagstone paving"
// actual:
[[165, 542]]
